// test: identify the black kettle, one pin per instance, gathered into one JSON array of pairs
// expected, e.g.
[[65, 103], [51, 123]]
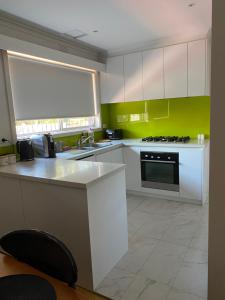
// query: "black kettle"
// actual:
[[25, 149]]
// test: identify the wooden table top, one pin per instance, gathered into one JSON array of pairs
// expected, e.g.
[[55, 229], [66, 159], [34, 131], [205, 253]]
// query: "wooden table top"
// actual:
[[10, 266]]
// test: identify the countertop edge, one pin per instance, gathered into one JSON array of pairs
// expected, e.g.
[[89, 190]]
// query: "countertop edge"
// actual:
[[89, 153], [139, 143], [60, 182], [121, 167]]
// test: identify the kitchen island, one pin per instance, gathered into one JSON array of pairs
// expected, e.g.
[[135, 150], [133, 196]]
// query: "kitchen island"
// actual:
[[80, 202]]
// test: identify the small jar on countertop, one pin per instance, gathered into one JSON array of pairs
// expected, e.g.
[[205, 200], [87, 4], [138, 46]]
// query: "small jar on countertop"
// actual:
[[201, 138]]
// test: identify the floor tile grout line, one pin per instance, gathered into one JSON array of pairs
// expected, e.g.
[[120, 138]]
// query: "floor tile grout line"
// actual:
[[179, 214], [187, 293]]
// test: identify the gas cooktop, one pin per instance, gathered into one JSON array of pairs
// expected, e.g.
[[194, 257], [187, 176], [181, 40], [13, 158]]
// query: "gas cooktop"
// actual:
[[167, 139]]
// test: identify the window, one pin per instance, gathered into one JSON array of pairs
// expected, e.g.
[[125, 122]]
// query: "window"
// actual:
[[54, 126], [51, 96], [43, 90]]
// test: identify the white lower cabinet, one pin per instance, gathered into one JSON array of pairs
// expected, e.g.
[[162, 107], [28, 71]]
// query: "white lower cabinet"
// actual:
[[193, 170], [113, 156], [132, 161], [11, 211], [191, 173]]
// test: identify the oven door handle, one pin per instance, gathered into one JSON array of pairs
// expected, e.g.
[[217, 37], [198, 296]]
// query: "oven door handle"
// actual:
[[161, 161]]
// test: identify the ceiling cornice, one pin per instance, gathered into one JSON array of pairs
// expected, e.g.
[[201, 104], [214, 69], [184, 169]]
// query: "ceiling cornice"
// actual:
[[160, 43], [19, 28]]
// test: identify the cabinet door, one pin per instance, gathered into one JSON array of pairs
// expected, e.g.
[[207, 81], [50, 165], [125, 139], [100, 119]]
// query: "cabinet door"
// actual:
[[175, 68], [133, 168], [11, 205], [114, 156], [191, 173], [153, 82], [133, 77], [197, 68], [112, 82]]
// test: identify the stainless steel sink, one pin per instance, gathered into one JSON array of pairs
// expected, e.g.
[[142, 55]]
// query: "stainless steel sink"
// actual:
[[90, 147]]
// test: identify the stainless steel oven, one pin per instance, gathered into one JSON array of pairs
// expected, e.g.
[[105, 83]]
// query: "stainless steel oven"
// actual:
[[160, 170]]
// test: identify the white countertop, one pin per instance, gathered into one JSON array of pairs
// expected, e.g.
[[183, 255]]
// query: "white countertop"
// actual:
[[77, 154], [138, 142], [78, 174], [68, 170]]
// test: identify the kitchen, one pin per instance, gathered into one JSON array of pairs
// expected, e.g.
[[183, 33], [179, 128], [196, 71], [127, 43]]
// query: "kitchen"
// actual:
[[153, 96]]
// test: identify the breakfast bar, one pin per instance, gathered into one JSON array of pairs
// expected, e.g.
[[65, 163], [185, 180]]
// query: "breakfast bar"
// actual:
[[80, 202]]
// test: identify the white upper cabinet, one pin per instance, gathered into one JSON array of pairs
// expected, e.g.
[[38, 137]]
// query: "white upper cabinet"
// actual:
[[133, 77], [176, 71], [172, 72], [153, 82], [197, 68], [112, 82]]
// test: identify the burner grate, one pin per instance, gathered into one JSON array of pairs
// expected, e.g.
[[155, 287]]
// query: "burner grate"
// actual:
[[167, 139]]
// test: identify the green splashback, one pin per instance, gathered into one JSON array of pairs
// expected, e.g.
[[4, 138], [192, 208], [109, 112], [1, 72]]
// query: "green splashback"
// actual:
[[68, 140], [7, 150], [180, 116], [73, 139], [183, 116]]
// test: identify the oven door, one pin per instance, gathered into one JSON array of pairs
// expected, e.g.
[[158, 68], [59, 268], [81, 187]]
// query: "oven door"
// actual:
[[163, 175]]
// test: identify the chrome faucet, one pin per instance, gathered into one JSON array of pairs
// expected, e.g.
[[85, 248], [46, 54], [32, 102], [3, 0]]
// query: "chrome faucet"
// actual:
[[86, 137]]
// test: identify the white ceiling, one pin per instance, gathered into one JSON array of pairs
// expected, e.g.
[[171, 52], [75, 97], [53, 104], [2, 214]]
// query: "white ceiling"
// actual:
[[121, 24]]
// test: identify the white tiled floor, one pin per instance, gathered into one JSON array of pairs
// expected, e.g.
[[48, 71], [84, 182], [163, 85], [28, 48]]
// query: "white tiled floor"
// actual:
[[167, 257]]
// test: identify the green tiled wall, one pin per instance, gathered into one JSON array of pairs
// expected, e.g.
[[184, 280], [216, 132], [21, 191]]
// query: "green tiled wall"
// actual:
[[180, 116]]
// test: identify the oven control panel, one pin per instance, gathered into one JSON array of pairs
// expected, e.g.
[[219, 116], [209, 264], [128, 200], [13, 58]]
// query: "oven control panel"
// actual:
[[160, 156]]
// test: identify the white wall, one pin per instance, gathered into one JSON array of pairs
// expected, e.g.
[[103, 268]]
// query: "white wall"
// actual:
[[217, 155], [17, 45], [208, 58]]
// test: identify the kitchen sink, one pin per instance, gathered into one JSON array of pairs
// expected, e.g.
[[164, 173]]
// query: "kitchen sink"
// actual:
[[76, 151], [90, 147], [87, 147]]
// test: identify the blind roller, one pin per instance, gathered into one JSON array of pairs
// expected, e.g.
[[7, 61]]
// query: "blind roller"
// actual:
[[43, 91]]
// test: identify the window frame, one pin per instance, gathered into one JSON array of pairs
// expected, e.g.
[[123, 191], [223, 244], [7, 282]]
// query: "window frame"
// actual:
[[65, 132]]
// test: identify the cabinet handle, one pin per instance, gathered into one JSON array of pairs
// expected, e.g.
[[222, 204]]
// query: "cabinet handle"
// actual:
[[161, 161]]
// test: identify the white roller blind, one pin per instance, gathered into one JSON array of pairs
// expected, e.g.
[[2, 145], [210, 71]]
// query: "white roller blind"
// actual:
[[42, 91]]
